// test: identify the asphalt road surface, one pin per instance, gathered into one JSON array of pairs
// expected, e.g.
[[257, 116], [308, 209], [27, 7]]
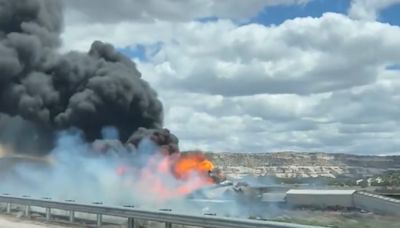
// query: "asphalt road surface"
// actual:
[[12, 222]]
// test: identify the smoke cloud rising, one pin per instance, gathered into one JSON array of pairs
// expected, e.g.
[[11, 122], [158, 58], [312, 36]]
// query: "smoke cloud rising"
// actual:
[[85, 126], [78, 170], [42, 91]]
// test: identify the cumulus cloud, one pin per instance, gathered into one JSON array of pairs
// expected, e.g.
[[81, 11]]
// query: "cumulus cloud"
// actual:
[[301, 56], [166, 10], [346, 111], [308, 84], [360, 120], [237, 124], [369, 9], [374, 103]]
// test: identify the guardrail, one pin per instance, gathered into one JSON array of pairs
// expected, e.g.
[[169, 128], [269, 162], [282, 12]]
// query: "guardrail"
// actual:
[[167, 217]]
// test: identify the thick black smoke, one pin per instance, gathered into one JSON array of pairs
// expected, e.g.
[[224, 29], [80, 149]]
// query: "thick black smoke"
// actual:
[[42, 91], [161, 137]]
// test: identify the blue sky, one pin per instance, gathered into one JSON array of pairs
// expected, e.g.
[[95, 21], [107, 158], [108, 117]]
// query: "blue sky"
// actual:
[[315, 8], [276, 15], [136, 51], [261, 85], [391, 15]]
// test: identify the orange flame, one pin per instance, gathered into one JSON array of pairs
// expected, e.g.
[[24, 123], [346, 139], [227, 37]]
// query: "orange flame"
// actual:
[[192, 163], [189, 171]]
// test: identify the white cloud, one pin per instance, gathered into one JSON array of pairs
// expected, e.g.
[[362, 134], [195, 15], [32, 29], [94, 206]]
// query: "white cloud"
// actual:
[[301, 56], [166, 10], [369, 9], [81, 36], [309, 84], [374, 103]]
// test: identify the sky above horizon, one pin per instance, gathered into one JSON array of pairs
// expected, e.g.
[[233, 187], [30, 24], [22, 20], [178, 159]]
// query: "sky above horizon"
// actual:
[[260, 75]]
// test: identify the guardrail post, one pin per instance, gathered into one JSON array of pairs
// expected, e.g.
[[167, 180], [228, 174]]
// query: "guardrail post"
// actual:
[[131, 223], [99, 220], [72, 216], [168, 225], [8, 208], [28, 211], [48, 214]]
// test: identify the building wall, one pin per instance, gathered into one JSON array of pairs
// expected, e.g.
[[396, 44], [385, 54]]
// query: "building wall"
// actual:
[[376, 203], [320, 200], [332, 198]]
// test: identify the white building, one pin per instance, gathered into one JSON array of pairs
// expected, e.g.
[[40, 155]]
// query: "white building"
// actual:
[[320, 198]]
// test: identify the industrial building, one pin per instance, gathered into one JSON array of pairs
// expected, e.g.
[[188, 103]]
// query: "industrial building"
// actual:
[[320, 198], [342, 199]]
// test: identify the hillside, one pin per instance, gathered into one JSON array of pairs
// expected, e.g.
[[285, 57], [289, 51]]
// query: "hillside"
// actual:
[[290, 165]]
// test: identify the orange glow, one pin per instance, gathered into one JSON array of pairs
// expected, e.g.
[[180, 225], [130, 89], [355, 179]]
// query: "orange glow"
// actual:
[[156, 177], [165, 177], [192, 164]]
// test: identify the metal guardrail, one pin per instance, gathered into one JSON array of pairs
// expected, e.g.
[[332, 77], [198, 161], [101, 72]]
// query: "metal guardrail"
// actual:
[[167, 217]]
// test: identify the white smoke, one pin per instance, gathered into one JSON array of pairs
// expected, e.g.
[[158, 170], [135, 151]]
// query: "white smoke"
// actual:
[[77, 170], [107, 171]]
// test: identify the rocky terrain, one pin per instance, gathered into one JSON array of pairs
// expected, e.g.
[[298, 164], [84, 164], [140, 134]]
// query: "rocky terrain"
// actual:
[[299, 165]]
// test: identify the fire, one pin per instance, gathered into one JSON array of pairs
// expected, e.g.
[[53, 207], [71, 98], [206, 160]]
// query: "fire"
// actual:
[[175, 176], [192, 164], [169, 176]]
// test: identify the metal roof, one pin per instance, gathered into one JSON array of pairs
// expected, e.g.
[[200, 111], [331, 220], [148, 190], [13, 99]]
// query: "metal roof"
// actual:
[[273, 197], [321, 192]]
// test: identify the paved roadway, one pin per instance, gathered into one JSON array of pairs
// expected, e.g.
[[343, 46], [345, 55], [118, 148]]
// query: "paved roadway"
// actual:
[[12, 222]]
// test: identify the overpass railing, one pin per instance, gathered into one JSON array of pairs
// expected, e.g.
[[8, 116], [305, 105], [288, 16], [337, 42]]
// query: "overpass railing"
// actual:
[[167, 217]]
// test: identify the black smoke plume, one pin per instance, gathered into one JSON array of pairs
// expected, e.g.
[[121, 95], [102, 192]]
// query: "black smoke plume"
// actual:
[[161, 137], [42, 91]]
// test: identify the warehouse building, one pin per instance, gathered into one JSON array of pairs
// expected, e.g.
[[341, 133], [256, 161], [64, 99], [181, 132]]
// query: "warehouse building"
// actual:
[[343, 199], [320, 198]]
